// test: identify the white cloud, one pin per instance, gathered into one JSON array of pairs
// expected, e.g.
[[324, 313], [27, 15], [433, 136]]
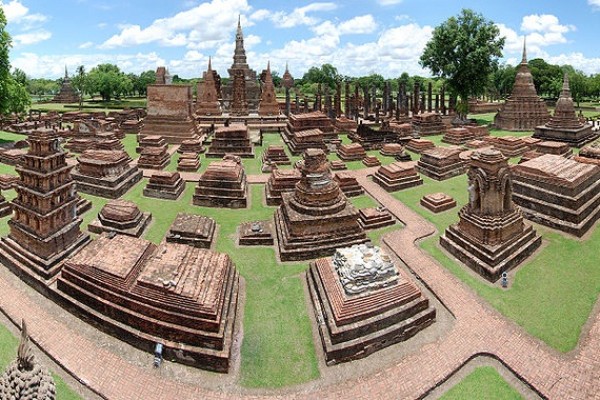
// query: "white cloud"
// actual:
[[545, 23], [299, 15], [48, 66], [358, 25], [389, 2], [595, 4], [86, 45], [31, 37], [17, 13], [207, 21], [577, 60], [260, 15]]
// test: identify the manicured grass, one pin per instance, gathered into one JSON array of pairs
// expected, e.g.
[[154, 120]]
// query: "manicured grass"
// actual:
[[6, 137], [363, 201], [8, 353], [552, 294], [130, 143], [482, 383]]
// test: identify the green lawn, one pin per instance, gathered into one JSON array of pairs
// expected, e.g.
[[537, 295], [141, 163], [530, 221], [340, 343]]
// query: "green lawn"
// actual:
[[552, 295], [8, 353], [484, 383]]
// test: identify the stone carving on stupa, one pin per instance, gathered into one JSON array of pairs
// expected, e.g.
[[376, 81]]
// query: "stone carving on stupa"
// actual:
[[25, 378], [491, 236], [564, 126], [523, 109]]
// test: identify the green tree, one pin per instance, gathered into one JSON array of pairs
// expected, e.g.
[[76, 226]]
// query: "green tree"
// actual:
[[464, 50], [502, 81], [79, 82], [20, 76], [109, 81], [327, 74], [14, 98], [579, 83], [547, 78], [146, 78]]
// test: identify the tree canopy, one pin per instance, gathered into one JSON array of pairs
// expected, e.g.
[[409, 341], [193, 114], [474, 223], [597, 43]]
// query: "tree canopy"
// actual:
[[326, 74], [14, 98], [109, 81], [464, 50]]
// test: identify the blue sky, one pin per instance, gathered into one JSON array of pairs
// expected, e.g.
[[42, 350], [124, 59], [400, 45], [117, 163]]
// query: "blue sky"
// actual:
[[359, 37]]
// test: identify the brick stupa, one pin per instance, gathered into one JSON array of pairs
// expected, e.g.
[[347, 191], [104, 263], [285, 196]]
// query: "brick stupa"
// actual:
[[316, 218], [181, 296], [233, 139], [208, 100], [44, 229], [491, 236], [121, 216], [165, 185], [564, 126], [561, 193], [268, 102], [223, 184], [66, 93], [364, 303], [105, 173], [523, 110]]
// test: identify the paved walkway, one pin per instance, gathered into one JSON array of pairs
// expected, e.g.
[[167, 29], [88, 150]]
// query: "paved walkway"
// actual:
[[479, 329]]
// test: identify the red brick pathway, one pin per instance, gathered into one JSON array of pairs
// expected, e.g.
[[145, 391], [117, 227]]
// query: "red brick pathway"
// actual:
[[479, 329]]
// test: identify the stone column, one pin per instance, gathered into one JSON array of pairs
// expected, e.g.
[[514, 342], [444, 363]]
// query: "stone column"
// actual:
[[347, 100], [337, 101], [437, 103], [429, 97], [297, 106], [443, 99], [366, 102], [416, 98], [288, 107]]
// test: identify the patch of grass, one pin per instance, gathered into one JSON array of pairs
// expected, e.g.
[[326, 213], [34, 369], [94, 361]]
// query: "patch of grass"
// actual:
[[130, 143], [8, 353], [482, 383], [363, 201], [552, 294], [9, 137]]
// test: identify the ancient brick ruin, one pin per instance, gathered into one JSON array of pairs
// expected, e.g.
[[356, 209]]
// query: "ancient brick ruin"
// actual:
[[66, 93], [364, 302], [458, 136], [44, 229], [296, 131], [427, 124], [268, 101], [273, 156], [351, 152], [223, 184], [523, 110], [193, 230], [561, 193], [441, 163], [548, 147], [348, 184], [397, 176], [372, 139], [375, 218], [371, 161], [105, 173], [564, 126], [208, 97], [437, 202], [5, 207], [419, 145], [256, 233], [121, 216], [233, 139], [510, 146], [316, 218], [181, 296], [280, 180], [165, 185], [188, 162], [153, 152], [491, 236]]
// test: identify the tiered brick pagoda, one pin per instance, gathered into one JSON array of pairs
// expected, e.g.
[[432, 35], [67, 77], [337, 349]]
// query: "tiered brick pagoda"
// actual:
[[232, 139], [181, 296], [441, 163], [397, 176], [169, 113], [256, 233], [316, 218], [589, 154], [311, 122], [281, 180], [523, 110], [44, 229], [223, 184], [427, 124], [561, 193], [153, 152], [193, 145], [364, 303], [371, 161], [348, 184], [242, 80], [188, 162], [268, 101], [208, 98], [375, 218], [564, 126], [121, 216], [395, 150], [66, 93], [345, 125], [307, 139], [351, 152], [437, 202], [105, 173], [165, 185], [193, 230], [491, 236]]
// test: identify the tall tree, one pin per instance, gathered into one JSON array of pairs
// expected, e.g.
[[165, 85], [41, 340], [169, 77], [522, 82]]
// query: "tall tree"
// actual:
[[464, 50], [79, 82], [327, 74], [14, 98], [109, 81]]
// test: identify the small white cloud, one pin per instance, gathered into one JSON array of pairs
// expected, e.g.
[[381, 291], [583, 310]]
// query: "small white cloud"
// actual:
[[260, 15], [595, 4], [358, 25], [299, 16], [544, 23], [31, 37], [389, 2], [86, 45], [14, 10], [102, 25]]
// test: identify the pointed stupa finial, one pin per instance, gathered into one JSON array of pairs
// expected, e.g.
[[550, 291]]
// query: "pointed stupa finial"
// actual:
[[239, 23], [524, 59], [209, 63], [269, 65], [566, 89], [66, 72]]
